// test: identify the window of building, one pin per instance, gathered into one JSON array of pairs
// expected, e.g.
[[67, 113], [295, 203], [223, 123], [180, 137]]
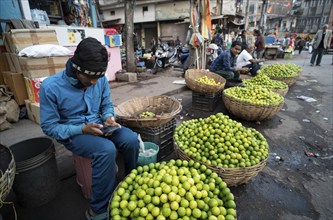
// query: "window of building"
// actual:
[[112, 13], [144, 8], [324, 20]]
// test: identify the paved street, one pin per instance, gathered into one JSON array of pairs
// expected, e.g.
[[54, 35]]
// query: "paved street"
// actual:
[[294, 187]]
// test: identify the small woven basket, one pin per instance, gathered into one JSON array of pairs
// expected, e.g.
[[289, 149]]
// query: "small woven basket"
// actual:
[[164, 108], [7, 172], [250, 112], [192, 74], [232, 176]]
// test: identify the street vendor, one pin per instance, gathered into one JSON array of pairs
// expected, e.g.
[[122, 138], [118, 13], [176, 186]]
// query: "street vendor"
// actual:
[[74, 106], [225, 63], [246, 60]]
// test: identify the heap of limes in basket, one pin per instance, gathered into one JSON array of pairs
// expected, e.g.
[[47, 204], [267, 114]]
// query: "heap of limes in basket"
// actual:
[[254, 95], [281, 70], [264, 81], [208, 81], [175, 190], [219, 141], [147, 114]]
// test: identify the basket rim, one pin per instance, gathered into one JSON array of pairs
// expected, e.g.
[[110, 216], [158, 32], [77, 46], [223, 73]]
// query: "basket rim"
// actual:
[[121, 115], [192, 83], [251, 104], [177, 148]]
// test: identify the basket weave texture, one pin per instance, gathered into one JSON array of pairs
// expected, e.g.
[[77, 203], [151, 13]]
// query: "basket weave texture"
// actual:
[[282, 92], [250, 112], [288, 80], [164, 108], [232, 176], [7, 172], [192, 74]]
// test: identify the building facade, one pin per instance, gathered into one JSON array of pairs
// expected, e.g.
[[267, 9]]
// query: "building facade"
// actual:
[[167, 19], [163, 19], [312, 14]]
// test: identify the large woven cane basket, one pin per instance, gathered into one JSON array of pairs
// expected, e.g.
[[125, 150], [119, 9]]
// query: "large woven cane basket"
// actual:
[[250, 112], [165, 108], [7, 172], [288, 80], [232, 176], [282, 92], [192, 75]]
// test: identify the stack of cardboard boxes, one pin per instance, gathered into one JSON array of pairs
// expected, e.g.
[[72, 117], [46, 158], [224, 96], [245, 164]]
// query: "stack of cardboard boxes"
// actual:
[[23, 75]]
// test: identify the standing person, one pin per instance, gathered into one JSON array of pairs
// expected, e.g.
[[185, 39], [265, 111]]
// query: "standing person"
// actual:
[[153, 45], [74, 105], [225, 63], [245, 60], [320, 43], [177, 41], [242, 39], [259, 44], [218, 38], [300, 44]]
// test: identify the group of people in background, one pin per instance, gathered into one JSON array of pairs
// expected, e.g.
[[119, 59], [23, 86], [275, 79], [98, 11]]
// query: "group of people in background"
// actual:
[[244, 58], [241, 58]]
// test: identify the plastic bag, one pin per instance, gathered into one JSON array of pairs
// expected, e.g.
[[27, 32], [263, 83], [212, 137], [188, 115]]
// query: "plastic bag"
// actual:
[[44, 50], [310, 49], [40, 16], [142, 145]]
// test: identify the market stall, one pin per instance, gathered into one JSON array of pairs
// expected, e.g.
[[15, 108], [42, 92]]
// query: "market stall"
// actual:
[[70, 37]]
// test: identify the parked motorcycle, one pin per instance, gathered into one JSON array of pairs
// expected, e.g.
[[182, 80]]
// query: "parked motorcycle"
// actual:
[[213, 51], [168, 55]]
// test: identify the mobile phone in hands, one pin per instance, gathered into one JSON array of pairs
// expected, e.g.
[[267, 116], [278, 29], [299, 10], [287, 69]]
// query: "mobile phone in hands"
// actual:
[[109, 129]]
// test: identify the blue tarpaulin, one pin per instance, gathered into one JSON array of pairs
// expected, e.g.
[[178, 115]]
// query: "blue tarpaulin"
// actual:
[[269, 39]]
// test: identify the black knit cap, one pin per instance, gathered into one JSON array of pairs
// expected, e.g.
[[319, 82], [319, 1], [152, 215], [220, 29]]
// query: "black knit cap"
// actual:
[[90, 58]]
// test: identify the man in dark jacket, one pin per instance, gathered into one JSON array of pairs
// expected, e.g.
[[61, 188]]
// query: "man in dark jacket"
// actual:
[[225, 63]]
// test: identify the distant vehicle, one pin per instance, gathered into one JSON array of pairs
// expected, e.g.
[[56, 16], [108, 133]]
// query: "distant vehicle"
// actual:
[[165, 55]]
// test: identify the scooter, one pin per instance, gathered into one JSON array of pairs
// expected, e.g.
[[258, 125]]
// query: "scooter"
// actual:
[[213, 51], [167, 55]]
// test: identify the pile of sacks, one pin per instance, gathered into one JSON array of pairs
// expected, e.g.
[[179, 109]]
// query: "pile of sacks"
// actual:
[[9, 109]]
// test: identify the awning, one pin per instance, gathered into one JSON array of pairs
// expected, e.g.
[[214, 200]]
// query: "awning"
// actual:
[[236, 23], [111, 21], [217, 17]]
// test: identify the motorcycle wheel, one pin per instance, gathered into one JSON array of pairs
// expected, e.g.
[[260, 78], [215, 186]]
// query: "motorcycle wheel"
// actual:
[[159, 63]]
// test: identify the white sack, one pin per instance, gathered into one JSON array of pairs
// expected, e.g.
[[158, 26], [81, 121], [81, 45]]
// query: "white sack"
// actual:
[[45, 50]]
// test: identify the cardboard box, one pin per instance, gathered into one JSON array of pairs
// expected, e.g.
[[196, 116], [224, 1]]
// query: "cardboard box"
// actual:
[[13, 62], [33, 110], [16, 62], [10, 63], [17, 39], [33, 86], [4, 66], [42, 67], [35, 107], [29, 110], [15, 82], [7, 41]]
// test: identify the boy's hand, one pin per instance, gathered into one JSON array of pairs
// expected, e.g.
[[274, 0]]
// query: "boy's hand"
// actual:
[[93, 129], [110, 121]]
